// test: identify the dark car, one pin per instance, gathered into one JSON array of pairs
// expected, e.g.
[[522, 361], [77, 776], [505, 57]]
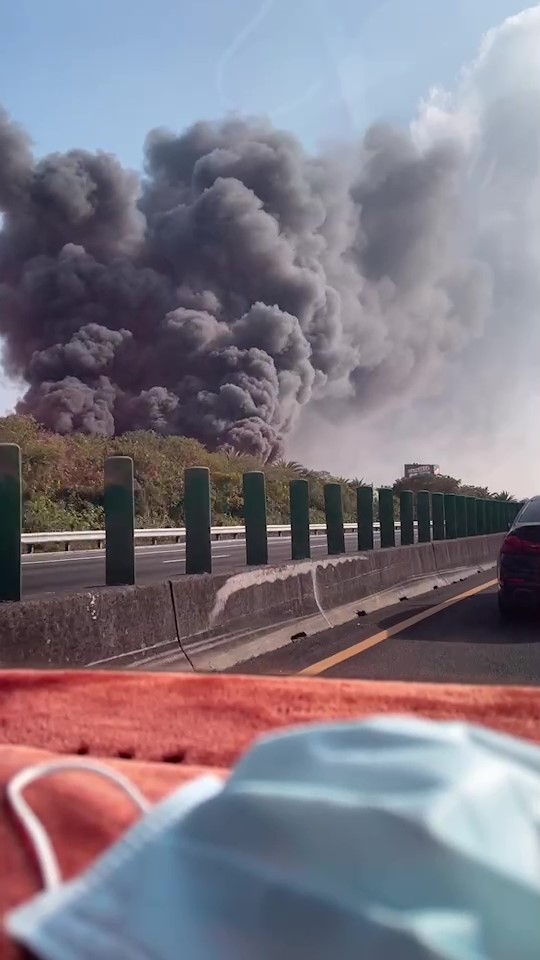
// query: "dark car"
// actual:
[[519, 562]]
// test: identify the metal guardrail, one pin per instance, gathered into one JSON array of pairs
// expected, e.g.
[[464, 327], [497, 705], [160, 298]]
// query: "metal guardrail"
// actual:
[[153, 534]]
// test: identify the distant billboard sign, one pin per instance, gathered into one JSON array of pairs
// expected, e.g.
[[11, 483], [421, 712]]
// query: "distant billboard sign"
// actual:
[[420, 469]]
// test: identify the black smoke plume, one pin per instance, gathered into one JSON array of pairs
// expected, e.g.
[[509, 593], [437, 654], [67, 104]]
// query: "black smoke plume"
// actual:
[[239, 280]]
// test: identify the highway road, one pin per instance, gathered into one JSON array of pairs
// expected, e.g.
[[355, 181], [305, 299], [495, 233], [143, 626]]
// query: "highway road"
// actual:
[[452, 635], [75, 570]]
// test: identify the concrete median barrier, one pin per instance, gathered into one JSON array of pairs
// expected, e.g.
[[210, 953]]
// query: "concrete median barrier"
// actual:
[[360, 576], [250, 599], [108, 626], [466, 552], [214, 621]]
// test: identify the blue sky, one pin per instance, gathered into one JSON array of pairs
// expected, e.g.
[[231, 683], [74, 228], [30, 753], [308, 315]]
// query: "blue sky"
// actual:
[[101, 74]]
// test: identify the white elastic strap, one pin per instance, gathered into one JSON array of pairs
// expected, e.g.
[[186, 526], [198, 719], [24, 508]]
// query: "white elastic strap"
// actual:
[[46, 857]]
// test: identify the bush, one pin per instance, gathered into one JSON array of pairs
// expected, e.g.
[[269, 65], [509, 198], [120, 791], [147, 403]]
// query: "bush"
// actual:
[[63, 479], [42, 514]]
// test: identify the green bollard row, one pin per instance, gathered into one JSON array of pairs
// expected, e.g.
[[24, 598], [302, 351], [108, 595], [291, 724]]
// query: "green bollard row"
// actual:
[[438, 516]]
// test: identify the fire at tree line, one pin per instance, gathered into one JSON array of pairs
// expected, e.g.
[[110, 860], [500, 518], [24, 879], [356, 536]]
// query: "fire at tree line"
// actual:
[[63, 479]]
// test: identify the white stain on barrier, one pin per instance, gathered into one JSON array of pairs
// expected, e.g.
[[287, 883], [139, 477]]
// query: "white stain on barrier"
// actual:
[[260, 575], [92, 608]]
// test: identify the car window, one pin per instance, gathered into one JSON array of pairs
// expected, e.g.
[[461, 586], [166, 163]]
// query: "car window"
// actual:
[[530, 512]]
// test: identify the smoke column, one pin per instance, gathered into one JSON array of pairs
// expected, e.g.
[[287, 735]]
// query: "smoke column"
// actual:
[[478, 414], [242, 283]]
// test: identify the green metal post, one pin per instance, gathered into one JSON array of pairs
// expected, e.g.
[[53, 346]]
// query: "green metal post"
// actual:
[[10, 522], [489, 515], [481, 516], [450, 516], [364, 517], [119, 503], [423, 515], [299, 504], [255, 518], [197, 514], [437, 510], [386, 517], [461, 516], [471, 517], [406, 517], [333, 509]]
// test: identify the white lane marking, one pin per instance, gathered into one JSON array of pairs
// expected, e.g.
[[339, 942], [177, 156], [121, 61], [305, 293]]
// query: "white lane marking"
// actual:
[[183, 559], [35, 563], [91, 556]]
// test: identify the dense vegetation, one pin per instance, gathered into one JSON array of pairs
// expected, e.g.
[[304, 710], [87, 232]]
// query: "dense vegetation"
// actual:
[[63, 479]]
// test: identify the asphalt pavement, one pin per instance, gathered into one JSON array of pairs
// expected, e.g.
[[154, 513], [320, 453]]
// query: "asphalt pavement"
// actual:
[[77, 570], [451, 635]]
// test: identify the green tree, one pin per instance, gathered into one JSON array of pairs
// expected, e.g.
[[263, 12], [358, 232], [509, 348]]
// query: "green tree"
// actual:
[[504, 495]]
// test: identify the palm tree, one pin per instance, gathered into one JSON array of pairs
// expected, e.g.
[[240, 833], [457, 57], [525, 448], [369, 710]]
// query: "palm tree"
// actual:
[[230, 452], [291, 465], [504, 495]]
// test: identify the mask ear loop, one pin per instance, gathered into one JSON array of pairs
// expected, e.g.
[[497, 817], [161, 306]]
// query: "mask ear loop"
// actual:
[[32, 825]]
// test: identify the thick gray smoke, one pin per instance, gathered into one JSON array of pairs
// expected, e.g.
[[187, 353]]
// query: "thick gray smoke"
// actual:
[[240, 280], [478, 416]]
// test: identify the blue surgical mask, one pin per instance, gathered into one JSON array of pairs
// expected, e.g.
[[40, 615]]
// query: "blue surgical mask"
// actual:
[[389, 838]]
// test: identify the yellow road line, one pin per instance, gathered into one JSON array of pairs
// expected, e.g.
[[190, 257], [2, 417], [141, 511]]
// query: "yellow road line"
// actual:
[[322, 665]]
